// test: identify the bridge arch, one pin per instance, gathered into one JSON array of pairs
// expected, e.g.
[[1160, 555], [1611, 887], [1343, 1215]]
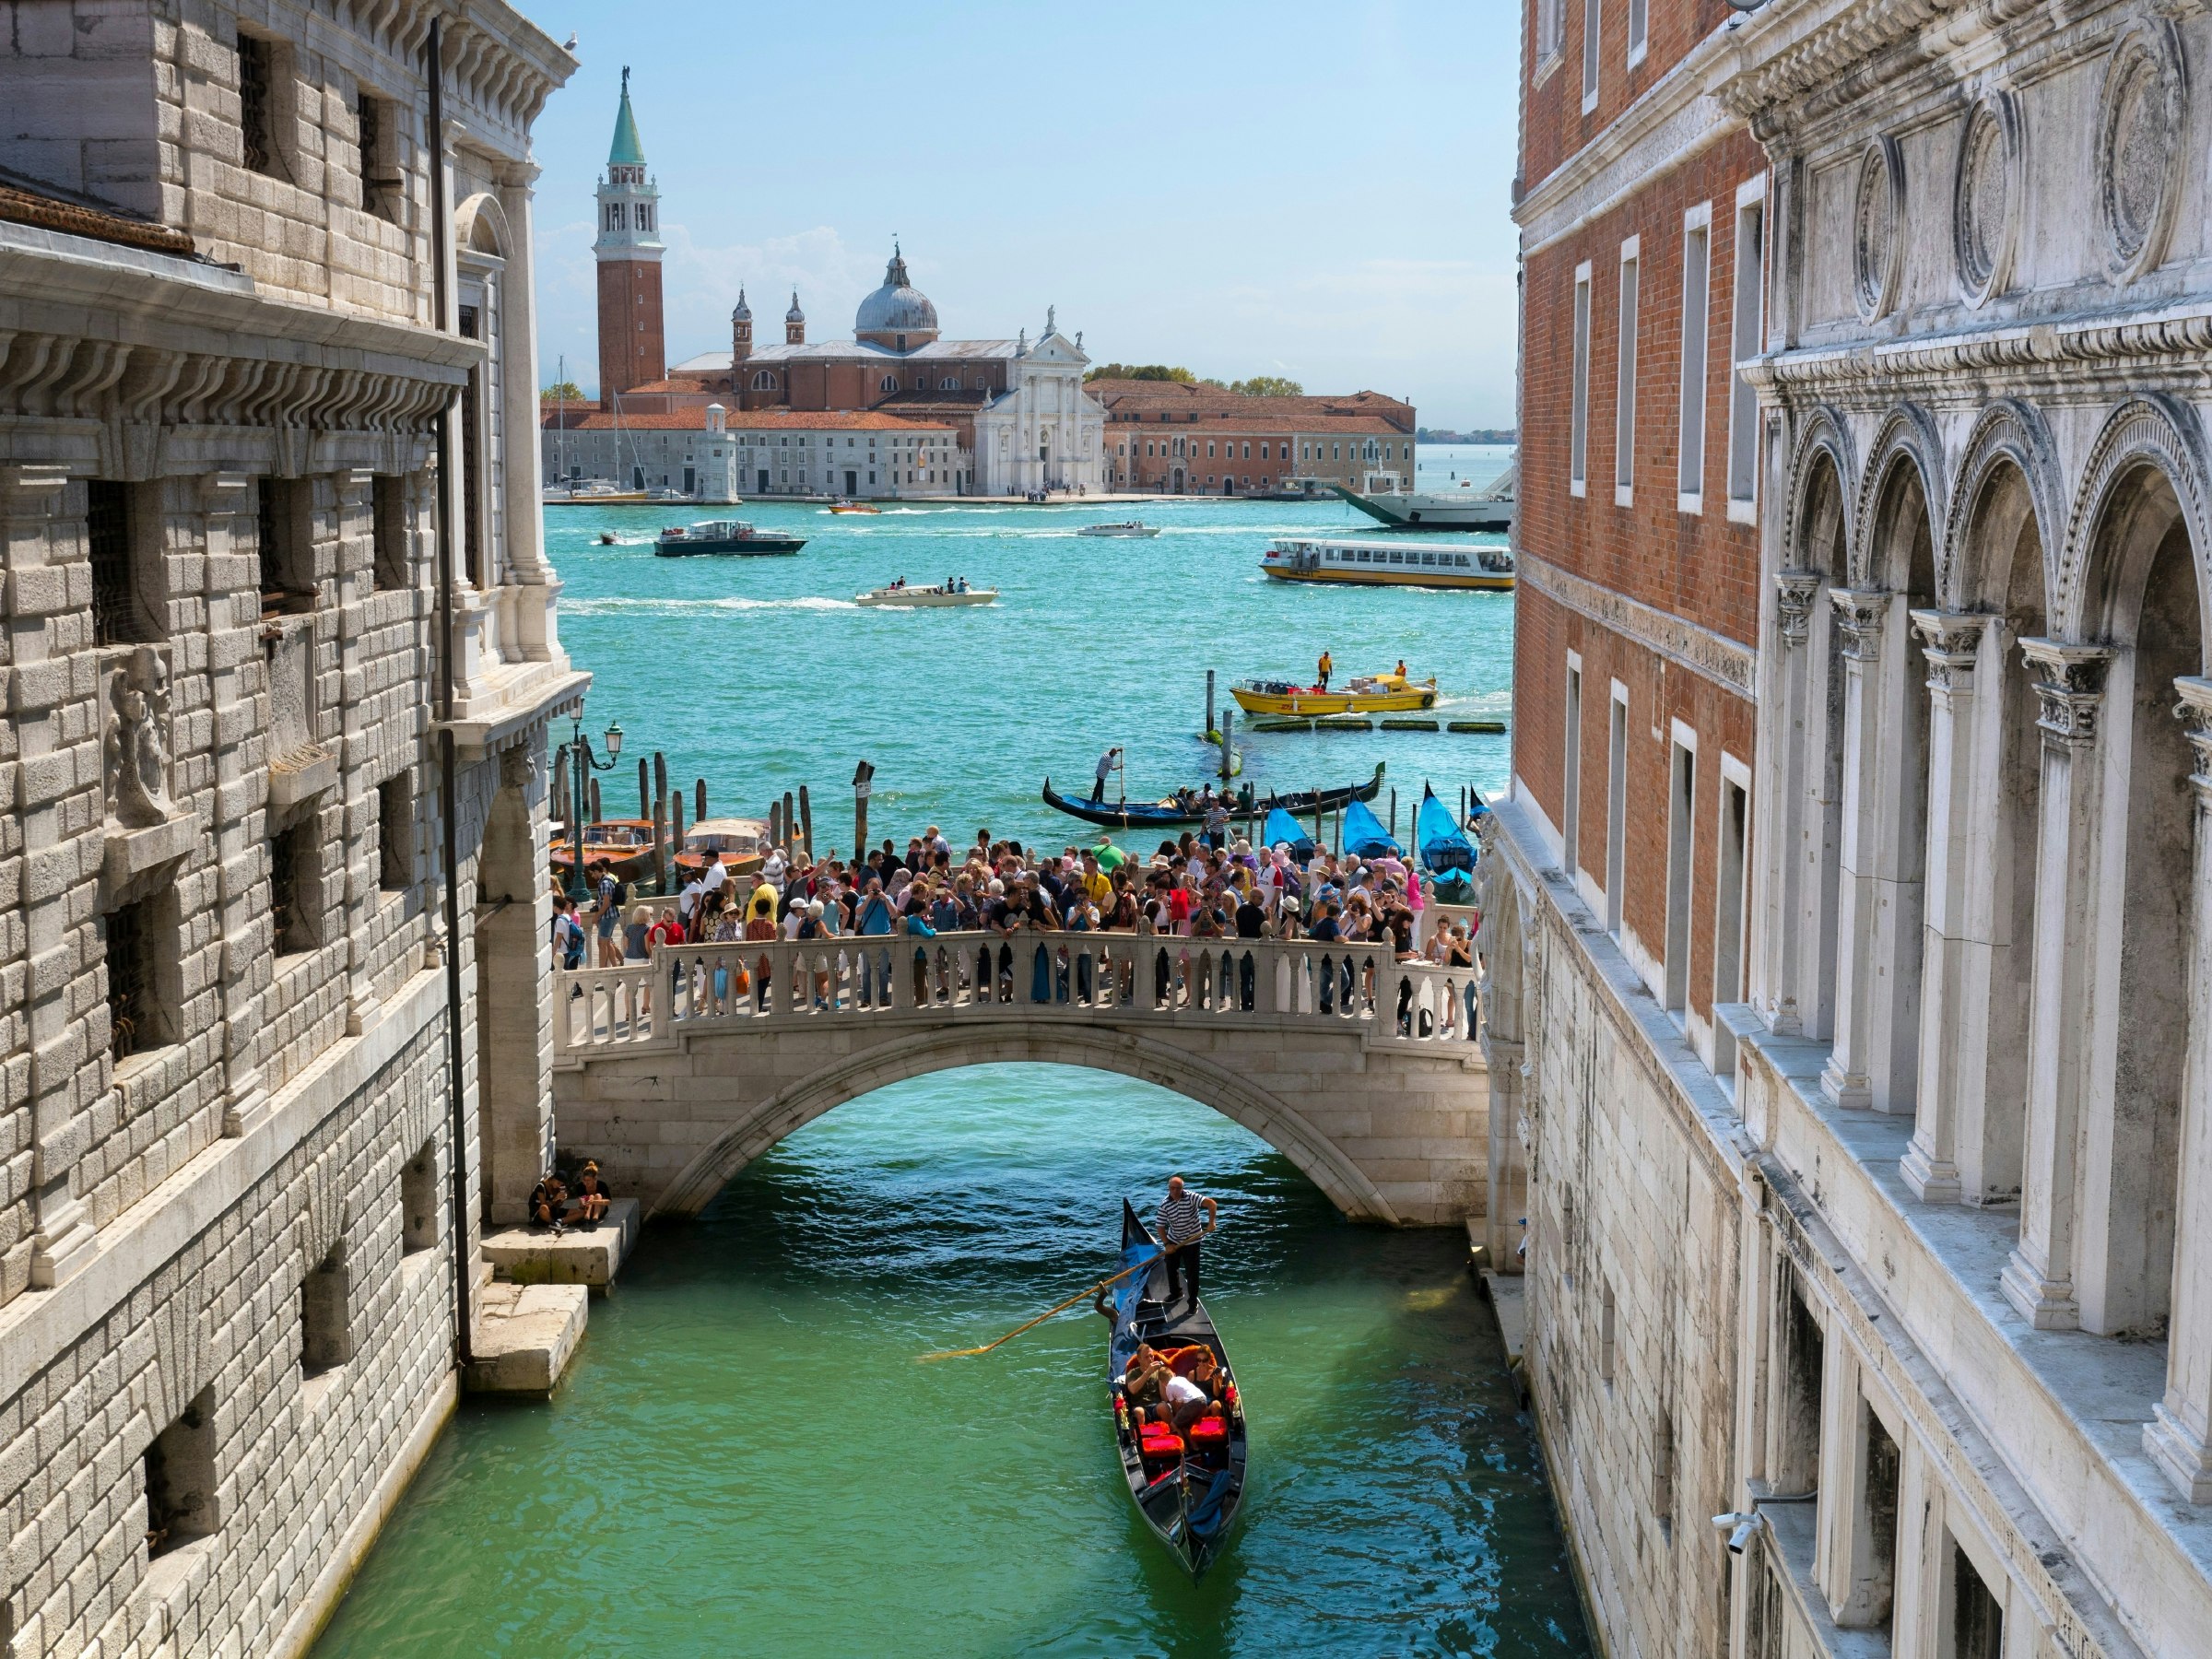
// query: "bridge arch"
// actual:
[[1130, 1055]]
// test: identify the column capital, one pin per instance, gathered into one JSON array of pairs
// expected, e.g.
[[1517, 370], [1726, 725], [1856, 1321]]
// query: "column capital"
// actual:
[[1861, 613], [2194, 711], [2069, 681], [1952, 641], [1795, 591]]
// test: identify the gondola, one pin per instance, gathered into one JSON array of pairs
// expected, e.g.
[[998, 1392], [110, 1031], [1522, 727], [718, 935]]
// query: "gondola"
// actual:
[[1189, 1488], [1243, 806]]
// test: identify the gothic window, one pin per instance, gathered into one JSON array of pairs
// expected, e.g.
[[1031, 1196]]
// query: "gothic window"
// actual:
[[890, 383]]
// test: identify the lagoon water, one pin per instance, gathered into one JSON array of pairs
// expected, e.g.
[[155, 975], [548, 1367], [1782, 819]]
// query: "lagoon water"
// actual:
[[746, 1457]]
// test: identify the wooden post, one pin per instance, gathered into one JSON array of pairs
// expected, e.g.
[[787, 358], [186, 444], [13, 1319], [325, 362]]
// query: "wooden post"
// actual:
[[775, 823], [806, 820], [660, 843], [660, 775], [863, 785], [1228, 754], [1321, 830], [791, 822], [676, 823], [1394, 814], [594, 793], [699, 799], [644, 790], [1209, 706]]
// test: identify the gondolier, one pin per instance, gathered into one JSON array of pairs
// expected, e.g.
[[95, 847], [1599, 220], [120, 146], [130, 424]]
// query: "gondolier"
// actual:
[[1180, 1231], [1107, 762]]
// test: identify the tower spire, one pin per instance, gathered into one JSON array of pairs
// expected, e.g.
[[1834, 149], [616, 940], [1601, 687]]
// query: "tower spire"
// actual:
[[628, 149]]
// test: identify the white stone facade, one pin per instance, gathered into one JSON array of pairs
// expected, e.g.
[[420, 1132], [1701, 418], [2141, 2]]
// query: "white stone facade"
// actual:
[[1043, 432], [228, 1282], [1918, 1266]]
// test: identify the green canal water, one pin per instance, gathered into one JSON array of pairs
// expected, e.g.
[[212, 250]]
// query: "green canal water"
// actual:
[[746, 1457]]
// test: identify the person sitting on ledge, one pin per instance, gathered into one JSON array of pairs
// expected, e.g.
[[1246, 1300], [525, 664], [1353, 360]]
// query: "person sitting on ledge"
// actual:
[[550, 1203], [592, 1198]]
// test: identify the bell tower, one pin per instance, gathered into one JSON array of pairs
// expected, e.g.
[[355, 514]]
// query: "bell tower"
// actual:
[[741, 336], [794, 322], [632, 345]]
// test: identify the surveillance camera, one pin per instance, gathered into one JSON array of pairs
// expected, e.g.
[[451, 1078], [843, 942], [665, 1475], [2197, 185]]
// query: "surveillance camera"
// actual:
[[1744, 1534], [1734, 1518]]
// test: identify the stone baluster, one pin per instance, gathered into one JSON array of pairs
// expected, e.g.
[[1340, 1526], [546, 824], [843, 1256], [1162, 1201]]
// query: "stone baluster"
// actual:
[[2179, 1436], [1965, 739], [2070, 684], [1864, 618]]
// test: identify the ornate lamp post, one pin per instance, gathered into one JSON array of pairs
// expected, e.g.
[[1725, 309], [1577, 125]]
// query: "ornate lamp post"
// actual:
[[582, 764]]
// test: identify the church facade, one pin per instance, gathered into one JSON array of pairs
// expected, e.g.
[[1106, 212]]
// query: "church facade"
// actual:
[[1019, 418]]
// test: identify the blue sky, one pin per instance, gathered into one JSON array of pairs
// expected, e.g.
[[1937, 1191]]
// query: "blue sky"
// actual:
[[1319, 191]]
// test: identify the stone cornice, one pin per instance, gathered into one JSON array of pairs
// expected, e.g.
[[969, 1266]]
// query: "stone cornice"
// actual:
[[87, 336], [2137, 339], [1730, 666]]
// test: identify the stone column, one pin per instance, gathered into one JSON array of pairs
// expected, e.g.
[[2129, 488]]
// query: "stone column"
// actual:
[[237, 739], [1955, 970], [1863, 616], [1785, 712], [2070, 684], [2179, 1436]]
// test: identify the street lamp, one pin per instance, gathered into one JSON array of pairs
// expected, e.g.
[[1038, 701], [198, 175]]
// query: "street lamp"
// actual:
[[582, 764]]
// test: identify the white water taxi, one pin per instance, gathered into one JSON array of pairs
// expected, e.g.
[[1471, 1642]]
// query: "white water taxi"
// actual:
[[1127, 528], [903, 597], [1386, 497], [1390, 563]]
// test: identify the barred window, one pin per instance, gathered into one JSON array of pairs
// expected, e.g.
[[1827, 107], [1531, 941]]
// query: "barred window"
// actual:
[[108, 530], [127, 980], [296, 889], [256, 110]]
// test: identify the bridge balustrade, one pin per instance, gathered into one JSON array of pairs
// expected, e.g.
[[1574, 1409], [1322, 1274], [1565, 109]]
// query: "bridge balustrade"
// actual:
[[1106, 977]]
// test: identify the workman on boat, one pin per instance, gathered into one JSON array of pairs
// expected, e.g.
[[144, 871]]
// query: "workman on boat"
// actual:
[[1328, 666], [1180, 1231], [1107, 762]]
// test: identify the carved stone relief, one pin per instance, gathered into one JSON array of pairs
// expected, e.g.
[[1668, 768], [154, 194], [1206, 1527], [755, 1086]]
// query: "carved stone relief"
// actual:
[[1795, 591], [2069, 684], [1985, 207], [2139, 147], [137, 742], [1877, 243]]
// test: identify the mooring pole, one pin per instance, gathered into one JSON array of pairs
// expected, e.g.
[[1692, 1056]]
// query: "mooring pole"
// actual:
[[806, 820], [791, 822], [1394, 814], [863, 775], [1228, 753], [699, 799], [1209, 705]]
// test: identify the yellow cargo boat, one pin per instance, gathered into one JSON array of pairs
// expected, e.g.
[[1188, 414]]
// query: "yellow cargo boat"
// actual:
[[1380, 694]]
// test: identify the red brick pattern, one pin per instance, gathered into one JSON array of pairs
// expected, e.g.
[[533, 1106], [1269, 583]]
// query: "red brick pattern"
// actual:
[[1553, 126], [1701, 567], [632, 338]]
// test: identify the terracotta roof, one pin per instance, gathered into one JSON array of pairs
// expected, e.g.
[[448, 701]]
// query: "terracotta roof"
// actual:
[[1290, 426], [1152, 396], [25, 201], [786, 420]]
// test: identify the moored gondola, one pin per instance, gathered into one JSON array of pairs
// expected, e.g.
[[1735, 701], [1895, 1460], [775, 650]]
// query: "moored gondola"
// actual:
[[1188, 1485], [1181, 809]]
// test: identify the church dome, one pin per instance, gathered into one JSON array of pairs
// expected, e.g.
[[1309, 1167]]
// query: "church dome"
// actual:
[[743, 313], [896, 308], [795, 314]]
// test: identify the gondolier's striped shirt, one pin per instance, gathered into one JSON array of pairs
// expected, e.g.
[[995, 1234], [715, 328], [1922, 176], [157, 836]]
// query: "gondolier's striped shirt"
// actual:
[[1179, 1219]]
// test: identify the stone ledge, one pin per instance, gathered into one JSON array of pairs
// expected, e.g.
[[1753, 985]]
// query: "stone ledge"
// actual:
[[127, 854], [300, 777], [521, 1255], [525, 1334]]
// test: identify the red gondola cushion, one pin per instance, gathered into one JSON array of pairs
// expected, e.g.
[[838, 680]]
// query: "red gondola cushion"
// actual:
[[1209, 1434], [1160, 1441]]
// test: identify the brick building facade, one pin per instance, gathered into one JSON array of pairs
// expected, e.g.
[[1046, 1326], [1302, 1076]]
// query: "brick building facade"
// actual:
[[250, 1130], [1845, 926], [1184, 438]]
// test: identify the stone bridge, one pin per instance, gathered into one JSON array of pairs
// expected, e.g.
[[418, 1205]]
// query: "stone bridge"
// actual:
[[1364, 1071]]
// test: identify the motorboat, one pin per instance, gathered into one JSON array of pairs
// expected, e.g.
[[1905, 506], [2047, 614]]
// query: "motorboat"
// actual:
[[1390, 563], [900, 596], [1128, 527], [1187, 1484], [729, 536], [742, 842], [1371, 694], [852, 507]]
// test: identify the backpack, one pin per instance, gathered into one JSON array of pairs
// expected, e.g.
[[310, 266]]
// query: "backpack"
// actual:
[[621, 894]]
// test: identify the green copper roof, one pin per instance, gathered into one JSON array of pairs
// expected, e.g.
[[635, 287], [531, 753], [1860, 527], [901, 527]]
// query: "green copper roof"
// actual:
[[627, 151]]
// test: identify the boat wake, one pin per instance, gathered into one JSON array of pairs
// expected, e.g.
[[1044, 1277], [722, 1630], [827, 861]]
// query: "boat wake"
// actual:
[[684, 607]]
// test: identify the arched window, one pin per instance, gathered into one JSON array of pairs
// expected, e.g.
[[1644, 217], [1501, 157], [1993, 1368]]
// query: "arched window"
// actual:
[[890, 383], [764, 382], [951, 383], [644, 216]]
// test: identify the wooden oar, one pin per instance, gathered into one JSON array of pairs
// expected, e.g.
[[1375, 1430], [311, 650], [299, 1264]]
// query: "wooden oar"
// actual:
[[1017, 1330]]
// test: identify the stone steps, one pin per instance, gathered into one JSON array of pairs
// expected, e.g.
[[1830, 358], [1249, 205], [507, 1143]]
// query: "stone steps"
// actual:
[[521, 1255], [523, 1336]]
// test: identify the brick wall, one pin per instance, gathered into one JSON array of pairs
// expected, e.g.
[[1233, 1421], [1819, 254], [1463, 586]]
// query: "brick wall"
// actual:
[[1553, 124], [632, 349]]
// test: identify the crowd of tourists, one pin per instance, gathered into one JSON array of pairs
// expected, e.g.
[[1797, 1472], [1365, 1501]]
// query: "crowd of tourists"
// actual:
[[1197, 888]]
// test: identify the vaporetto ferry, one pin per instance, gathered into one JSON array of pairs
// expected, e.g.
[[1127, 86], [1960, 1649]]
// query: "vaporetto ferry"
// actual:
[[1391, 563]]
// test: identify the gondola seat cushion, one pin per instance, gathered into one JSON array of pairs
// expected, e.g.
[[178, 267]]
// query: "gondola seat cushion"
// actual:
[[1160, 1441], [1209, 1434]]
